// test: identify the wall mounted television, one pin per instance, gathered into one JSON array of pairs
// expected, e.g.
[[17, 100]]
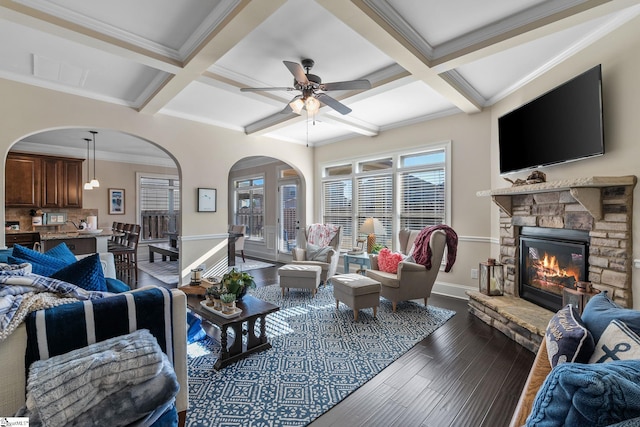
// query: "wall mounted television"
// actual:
[[563, 125]]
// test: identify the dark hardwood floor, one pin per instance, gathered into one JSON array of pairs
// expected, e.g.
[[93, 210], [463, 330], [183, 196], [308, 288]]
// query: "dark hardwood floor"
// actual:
[[464, 374]]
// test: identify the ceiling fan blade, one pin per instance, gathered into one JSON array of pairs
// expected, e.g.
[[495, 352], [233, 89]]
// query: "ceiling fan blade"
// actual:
[[298, 72], [263, 89], [336, 105], [348, 85]]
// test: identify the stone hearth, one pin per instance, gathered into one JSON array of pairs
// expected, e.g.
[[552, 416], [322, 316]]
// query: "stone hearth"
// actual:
[[603, 206]]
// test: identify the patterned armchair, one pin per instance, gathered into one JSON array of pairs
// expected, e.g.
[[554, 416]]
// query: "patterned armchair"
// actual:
[[319, 244]]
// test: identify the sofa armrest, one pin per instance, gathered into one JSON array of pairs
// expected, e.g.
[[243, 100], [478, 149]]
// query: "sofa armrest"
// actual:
[[538, 373], [299, 254], [373, 259]]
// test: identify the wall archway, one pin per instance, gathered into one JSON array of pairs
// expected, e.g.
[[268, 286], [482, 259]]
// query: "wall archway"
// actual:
[[284, 201]]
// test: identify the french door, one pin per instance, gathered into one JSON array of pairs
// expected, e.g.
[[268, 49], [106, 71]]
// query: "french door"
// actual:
[[288, 221]]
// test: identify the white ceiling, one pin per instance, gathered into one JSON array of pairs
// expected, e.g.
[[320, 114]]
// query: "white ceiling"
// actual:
[[189, 58]]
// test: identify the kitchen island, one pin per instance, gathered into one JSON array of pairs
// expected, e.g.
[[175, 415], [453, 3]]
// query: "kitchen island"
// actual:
[[79, 242]]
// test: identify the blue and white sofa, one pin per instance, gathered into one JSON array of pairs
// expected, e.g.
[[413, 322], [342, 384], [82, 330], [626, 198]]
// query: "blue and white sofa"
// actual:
[[587, 370], [171, 321]]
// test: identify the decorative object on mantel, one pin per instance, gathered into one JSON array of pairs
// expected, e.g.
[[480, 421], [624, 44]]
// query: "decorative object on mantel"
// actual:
[[491, 277], [535, 177]]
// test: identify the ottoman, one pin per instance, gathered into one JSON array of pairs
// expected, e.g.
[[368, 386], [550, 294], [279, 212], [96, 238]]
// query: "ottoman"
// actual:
[[357, 292], [300, 276]]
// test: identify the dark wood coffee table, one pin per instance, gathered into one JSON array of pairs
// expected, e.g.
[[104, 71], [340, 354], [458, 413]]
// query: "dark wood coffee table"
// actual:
[[252, 310]]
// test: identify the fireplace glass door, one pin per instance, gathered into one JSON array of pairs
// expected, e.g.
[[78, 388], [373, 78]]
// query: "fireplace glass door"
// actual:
[[547, 266]]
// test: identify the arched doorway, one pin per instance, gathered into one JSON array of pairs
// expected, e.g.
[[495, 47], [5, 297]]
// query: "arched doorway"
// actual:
[[267, 196], [121, 163]]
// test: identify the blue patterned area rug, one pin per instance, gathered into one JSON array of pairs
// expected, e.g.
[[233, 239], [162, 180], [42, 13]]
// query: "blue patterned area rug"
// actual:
[[319, 356]]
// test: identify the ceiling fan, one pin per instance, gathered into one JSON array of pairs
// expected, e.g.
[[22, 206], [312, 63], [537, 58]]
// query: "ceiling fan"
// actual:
[[312, 89]]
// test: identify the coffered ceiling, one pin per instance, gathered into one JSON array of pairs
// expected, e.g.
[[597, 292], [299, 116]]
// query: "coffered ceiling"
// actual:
[[189, 58]]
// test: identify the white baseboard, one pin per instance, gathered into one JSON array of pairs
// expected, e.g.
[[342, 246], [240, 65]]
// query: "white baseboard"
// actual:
[[451, 290]]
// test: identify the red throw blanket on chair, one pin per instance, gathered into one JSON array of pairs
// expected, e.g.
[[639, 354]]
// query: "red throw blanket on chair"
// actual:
[[422, 250]]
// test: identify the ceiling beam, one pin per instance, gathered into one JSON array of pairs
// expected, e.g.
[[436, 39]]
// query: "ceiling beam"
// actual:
[[535, 30], [247, 16], [362, 19]]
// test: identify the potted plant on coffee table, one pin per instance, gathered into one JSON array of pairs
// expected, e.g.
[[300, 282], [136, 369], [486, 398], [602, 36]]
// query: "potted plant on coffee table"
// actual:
[[237, 282], [213, 295], [228, 303]]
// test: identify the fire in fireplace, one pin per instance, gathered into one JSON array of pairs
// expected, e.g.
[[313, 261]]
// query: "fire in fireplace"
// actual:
[[550, 260]]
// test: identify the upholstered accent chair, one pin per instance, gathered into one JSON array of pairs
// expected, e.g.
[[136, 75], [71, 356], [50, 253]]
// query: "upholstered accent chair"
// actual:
[[239, 229], [319, 244], [412, 281]]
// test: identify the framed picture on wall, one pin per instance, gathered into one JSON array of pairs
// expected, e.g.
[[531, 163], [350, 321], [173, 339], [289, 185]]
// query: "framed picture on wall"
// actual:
[[116, 201], [206, 199]]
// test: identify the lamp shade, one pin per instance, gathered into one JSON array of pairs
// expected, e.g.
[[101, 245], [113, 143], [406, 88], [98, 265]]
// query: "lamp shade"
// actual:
[[297, 105], [312, 105], [373, 226]]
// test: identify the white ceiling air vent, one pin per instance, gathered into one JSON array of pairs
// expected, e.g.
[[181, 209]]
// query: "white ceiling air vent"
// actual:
[[58, 71]]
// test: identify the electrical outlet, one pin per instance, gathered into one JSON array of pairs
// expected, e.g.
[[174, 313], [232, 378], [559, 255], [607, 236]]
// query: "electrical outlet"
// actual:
[[474, 273]]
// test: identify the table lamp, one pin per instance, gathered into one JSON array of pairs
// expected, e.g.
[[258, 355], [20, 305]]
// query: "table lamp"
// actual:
[[371, 227]]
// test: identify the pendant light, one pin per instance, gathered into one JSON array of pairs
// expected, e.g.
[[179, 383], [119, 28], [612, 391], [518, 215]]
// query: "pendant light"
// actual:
[[87, 185], [94, 182]]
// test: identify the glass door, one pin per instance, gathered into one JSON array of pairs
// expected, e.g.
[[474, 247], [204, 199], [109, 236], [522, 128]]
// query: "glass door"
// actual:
[[288, 220]]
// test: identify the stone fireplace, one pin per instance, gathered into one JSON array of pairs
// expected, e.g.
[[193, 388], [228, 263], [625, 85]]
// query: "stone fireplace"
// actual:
[[599, 208]]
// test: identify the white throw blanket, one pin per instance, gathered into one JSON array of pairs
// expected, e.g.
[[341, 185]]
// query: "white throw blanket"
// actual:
[[115, 382], [22, 292]]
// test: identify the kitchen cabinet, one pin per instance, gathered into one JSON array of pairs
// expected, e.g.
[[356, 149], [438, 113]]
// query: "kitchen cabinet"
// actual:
[[23, 181], [35, 181]]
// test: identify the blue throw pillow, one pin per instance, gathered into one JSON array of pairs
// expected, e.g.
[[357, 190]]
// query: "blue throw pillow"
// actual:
[[568, 340], [62, 252], [116, 286], [42, 264], [4, 255], [600, 311], [580, 395], [86, 273]]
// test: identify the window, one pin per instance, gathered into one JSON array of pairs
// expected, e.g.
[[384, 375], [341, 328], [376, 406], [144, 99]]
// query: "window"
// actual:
[[404, 190], [375, 199], [159, 202], [337, 207], [250, 205], [422, 190]]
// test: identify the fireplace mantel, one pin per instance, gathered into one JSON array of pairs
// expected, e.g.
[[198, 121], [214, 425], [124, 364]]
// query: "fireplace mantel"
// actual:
[[585, 190]]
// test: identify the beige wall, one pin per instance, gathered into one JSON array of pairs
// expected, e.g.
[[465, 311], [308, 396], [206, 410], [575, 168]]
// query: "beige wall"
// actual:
[[202, 153], [470, 167], [118, 175], [618, 54]]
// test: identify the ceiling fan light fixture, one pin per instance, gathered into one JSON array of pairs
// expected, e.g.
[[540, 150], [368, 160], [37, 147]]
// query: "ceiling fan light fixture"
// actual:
[[297, 105], [312, 105]]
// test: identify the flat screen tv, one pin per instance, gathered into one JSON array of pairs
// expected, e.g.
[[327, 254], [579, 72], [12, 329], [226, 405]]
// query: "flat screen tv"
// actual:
[[562, 125]]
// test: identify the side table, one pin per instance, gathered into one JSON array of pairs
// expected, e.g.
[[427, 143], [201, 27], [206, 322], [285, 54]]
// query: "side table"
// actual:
[[361, 259]]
